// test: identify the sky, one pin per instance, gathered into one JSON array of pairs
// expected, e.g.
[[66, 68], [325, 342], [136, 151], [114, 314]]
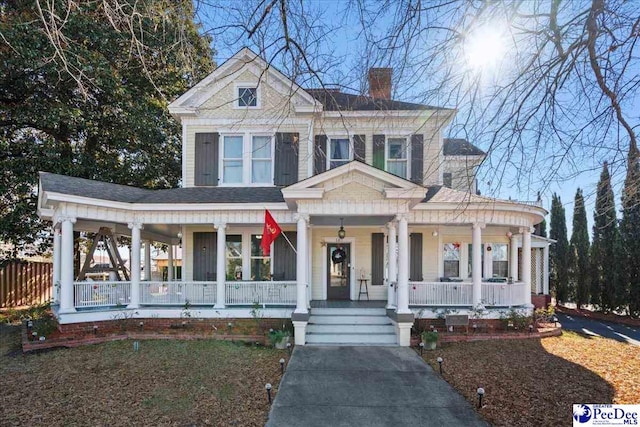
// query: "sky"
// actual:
[[340, 38]]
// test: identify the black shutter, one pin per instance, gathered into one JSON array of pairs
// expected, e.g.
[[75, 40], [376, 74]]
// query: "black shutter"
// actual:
[[204, 256], [285, 170], [320, 154], [417, 159], [378, 151], [377, 258], [284, 258], [359, 147], [415, 261], [206, 159]]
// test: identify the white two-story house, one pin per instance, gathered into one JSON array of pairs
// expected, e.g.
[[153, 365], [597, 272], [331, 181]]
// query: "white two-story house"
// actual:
[[376, 204]]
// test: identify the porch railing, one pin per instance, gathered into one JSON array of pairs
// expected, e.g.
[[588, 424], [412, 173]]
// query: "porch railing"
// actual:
[[177, 293], [503, 294], [461, 294], [264, 293], [101, 294], [441, 293]]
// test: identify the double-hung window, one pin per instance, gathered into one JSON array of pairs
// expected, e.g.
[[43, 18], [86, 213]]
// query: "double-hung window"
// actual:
[[339, 152], [234, 257], [451, 260], [397, 159], [232, 170], [247, 159], [500, 260], [261, 160], [260, 264]]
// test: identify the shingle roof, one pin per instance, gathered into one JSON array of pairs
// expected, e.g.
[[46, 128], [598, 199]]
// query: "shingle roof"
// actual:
[[460, 147], [122, 193], [334, 100]]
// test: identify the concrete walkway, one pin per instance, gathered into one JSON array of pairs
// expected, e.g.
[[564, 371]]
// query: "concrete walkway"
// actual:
[[622, 333], [366, 386]]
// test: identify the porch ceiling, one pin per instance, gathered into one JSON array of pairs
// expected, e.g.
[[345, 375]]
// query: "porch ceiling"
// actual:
[[166, 233]]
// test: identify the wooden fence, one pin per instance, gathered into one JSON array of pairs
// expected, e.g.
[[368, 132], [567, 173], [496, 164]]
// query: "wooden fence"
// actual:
[[25, 283]]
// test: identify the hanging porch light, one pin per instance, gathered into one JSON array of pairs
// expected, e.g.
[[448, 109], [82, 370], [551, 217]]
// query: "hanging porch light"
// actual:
[[341, 232]]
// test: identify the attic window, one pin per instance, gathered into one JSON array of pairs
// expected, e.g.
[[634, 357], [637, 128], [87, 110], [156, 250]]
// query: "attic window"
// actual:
[[247, 97]]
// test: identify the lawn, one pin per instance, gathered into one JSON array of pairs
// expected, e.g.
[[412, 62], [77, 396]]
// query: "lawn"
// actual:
[[535, 382], [199, 382]]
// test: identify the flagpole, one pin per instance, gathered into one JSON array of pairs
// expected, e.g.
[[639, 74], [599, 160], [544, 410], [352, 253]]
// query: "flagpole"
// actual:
[[288, 241]]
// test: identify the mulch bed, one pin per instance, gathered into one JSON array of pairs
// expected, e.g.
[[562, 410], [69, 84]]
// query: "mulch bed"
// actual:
[[195, 382], [535, 382], [607, 317]]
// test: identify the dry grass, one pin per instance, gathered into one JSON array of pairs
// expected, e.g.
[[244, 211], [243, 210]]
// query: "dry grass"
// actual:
[[165, 383], [536, 382]]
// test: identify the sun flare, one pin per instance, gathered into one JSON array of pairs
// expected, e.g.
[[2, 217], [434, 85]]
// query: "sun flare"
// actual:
[[484, 47]]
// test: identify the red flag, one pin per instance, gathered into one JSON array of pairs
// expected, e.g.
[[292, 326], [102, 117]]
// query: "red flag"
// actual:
[[270, 232]]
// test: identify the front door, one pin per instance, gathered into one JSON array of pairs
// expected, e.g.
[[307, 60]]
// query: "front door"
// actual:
[[338, 270]]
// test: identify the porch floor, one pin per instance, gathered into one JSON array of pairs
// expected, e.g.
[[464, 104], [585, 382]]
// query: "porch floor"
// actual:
[[348, 304]]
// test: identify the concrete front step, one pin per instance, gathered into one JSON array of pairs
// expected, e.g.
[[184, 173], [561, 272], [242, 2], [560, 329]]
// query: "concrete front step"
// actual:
[[346, 328], [349, 311], [359, 338], [349, 319]]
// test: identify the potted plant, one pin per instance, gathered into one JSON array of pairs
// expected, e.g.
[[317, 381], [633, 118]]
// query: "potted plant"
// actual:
[[430, 339], [279, 339]]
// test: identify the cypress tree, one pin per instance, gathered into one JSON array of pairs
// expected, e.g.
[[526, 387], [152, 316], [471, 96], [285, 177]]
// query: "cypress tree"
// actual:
[[605, 285], [559, 252], [630, 232], [540, 229], [579, 249]]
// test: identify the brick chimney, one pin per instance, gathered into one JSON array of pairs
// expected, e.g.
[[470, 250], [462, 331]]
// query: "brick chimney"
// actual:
[[380, 82]]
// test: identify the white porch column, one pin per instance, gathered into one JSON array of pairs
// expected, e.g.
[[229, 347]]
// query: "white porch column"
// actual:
[[545, 271], [513, 262], [393, 265], [526, 265], [67, 304], [221, 265], [135, 264], [403, 266], [301, 264], [310, 263], [170, 263], [147, 260], [476, 268], [55, 292]]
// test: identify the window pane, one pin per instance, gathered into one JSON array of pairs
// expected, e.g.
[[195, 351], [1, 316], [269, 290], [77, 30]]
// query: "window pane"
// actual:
[[500, 268], [261, 147], [260, 269], [499, 252], [234, 246], [339, 149], [335, 164], [261, 171], [232, 147], [256, 240], [232, 171], [247, 97], [452, 252], [397, 148], [398, 168], [451, 269]]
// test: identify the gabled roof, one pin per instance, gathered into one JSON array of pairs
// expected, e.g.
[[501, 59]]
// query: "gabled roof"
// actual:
[[54, 183], [334, 100], [460, 147], [188, 102]]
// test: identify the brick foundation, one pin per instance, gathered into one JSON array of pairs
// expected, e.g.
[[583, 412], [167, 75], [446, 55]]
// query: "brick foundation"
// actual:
[[540, 301], [79, 334]]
